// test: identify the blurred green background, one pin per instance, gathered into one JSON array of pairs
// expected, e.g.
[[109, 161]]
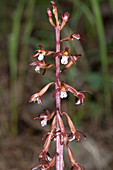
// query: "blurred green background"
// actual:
[[23, 25]]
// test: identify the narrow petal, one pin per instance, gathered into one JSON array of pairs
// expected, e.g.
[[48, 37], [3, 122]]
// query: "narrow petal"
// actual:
[[71, 89], [67, 66], [57, 90], [35, 55], [35, 63], [44, 122], [41, 47], [37, 69], [58, 54], [40, 57], [49, 52], [45, 88]]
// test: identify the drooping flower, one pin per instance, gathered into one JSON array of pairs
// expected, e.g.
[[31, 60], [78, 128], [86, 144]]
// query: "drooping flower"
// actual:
[[66, 55], [75, 164], [37, 96], [41, 64], [75, 133], [45, 117], [41, 53], [81, 97], [44, 151], [72, 37], [47, 165], [73, 61], [62, 89]]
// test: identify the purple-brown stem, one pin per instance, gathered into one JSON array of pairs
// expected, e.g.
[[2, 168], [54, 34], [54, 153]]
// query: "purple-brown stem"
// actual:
[[59, 147]]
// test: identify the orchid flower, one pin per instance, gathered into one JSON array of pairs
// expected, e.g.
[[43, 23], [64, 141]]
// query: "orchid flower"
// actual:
[[73, 61], [81, 97], [46, 145], [75, 133], [45, 117], [62, 89], [41, 53], [41, 64], [66, 55], [37, 96], [47, 165], [72, 37], [73, 161]]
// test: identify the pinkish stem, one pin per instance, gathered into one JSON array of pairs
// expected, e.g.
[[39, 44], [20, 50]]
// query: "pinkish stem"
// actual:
[[59, 147]]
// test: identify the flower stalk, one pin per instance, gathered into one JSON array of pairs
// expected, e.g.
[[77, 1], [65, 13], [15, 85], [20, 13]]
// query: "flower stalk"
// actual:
[[59, 147]]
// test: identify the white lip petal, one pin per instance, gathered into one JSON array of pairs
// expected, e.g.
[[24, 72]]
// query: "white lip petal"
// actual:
[[78, 102], [44, 122], [63, 94], [40, 57], [49, 159], [64, 60], [38, 100], [37, 69]]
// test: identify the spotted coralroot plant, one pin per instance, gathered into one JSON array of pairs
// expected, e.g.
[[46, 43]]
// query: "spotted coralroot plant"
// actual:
[[57, 131]]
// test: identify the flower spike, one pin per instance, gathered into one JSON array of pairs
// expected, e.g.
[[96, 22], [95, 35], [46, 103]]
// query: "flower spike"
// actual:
[[57, 132]]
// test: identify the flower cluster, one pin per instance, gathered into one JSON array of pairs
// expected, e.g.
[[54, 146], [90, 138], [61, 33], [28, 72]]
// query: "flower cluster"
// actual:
[[57, 130]]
